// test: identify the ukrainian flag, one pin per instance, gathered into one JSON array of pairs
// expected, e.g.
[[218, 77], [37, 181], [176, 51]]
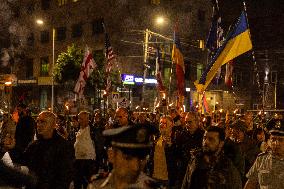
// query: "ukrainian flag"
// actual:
[[236, 43]]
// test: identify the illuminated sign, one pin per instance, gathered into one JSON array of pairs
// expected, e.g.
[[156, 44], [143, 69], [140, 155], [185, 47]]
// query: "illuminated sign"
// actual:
[[127, 79], [151, 81], [131, 80], [138, 80]]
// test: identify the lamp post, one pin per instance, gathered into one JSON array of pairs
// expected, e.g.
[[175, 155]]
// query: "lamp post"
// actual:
[[8, 89], [159, 21], [41, 22]]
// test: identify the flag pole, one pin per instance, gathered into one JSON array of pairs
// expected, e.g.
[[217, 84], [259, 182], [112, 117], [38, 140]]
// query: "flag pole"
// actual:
[[253, 56], [170, 83]]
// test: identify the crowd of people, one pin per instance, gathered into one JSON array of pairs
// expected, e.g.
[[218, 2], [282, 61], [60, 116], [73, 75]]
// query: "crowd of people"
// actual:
[[124, 149]]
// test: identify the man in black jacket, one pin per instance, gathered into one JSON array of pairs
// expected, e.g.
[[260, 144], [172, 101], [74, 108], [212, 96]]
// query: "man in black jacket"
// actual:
[[50, 157], [209, 167]]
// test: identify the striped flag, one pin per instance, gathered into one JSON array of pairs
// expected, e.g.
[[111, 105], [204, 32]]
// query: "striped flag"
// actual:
[[205, 104], [177, 58], [160, 85], [110, 58], [87, 67], [229, 74]]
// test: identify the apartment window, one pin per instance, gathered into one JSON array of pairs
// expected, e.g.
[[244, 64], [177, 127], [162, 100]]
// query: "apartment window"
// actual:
[[45, 4], [273, 76], [60, 33], [44, 66], [201, 15], [77, 30], [30, 8], [98, 26], [237, 79], [155, 2], [29, 66], [62, 2], [30, 39], [199, 69], [44, 36]]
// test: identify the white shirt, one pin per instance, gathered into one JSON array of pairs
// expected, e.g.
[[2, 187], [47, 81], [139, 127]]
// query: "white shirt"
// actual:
[[84, 147]]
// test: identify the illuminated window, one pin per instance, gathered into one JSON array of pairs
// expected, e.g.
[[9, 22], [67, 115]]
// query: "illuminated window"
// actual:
[[44, 66], [62, 2]]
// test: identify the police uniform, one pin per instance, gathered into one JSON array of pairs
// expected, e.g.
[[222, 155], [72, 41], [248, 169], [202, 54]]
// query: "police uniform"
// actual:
[[134, 139], [267, 169]]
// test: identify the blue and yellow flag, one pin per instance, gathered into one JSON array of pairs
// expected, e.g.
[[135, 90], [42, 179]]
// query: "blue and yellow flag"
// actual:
[[236, 43]]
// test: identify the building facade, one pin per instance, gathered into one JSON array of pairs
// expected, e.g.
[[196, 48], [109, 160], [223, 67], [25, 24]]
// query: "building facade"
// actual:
[[79, 22]]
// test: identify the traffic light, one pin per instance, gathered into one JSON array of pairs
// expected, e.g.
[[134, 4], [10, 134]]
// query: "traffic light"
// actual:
[[7, 89]]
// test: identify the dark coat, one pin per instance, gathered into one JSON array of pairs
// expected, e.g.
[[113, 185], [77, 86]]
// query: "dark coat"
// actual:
[[233, 151], [25, 131], [52, 161], [219, 173]]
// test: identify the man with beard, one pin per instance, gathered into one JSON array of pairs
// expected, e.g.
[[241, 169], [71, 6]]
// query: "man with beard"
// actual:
[[209, 168], [267, 170]]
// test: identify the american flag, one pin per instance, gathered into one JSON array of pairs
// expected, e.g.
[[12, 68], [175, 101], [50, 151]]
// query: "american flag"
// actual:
[[109, 53], [110, 57]]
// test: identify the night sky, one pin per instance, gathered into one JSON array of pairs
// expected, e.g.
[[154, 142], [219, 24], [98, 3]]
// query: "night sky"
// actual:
[[266, 20]]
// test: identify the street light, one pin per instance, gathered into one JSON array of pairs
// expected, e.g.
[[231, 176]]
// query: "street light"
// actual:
[[41, 22], [160, 20]]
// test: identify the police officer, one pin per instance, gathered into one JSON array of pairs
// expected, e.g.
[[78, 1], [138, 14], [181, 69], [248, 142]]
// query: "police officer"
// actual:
[[129, 147], [267, 170]]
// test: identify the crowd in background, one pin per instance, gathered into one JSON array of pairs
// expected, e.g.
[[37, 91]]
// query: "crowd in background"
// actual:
[[178, 138]]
